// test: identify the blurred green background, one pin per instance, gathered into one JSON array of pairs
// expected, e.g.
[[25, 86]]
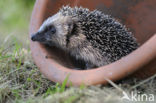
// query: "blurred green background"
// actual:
[[14, 21]]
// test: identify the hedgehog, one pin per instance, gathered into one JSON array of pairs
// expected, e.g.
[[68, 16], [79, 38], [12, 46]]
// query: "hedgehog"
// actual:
[[93, 37]]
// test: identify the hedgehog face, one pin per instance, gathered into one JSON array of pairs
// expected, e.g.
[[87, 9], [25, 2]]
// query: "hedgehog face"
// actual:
[[54, 31]]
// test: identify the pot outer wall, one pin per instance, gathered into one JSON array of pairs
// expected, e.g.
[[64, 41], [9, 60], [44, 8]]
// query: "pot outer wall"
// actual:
[[138, 15]]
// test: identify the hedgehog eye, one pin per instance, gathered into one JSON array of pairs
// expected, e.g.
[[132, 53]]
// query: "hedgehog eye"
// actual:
[[53, 30]]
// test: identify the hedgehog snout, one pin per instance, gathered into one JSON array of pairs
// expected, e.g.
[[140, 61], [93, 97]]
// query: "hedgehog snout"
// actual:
[[38, 37], [33, 37]]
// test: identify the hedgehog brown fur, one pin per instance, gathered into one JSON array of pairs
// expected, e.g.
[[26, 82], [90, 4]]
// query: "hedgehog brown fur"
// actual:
[[90, 36]]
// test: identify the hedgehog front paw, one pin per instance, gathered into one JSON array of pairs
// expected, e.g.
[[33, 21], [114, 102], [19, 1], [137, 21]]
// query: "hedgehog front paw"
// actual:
[[89, 66]]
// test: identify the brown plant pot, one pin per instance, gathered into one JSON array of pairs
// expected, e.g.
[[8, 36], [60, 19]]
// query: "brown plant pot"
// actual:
[[138, 15]]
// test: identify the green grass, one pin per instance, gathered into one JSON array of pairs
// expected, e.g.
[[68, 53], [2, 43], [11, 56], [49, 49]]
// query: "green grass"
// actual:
[[19, 77], [21, 81]]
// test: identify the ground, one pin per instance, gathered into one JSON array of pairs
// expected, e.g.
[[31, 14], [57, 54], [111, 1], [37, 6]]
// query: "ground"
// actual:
[[21, 81]]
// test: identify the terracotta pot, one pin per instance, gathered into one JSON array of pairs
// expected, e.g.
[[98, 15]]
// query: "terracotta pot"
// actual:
[[138, 15]]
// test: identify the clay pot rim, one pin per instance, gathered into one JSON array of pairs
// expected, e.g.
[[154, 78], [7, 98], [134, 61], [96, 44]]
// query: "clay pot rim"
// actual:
[[114, 71]]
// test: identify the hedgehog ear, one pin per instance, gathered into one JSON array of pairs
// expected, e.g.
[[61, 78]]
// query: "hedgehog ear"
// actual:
[[70, 22]]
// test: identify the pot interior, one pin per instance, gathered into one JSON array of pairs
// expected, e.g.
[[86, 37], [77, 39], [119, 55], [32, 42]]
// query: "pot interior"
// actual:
[[138, 15]]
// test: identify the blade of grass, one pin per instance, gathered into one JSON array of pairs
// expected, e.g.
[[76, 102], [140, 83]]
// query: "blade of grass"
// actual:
[[64, 84]]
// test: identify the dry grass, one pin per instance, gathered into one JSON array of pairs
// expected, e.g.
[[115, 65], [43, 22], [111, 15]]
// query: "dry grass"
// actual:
[[21, 82]]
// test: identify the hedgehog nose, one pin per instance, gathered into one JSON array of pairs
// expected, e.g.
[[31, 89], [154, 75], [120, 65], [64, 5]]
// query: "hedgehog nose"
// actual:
[[33, 37]]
